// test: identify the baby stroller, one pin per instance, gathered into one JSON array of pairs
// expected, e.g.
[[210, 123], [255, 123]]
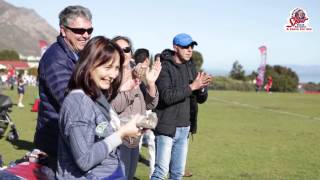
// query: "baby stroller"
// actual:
[[5, 120]]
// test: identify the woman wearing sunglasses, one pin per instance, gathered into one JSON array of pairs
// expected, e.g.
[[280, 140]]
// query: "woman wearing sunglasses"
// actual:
[[90, 130], [135, 98]]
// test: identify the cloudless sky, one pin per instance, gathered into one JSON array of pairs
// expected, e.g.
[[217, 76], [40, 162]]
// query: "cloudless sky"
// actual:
[[225, 30]]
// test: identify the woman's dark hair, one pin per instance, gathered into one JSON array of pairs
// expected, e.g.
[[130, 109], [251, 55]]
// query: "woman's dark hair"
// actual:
[[141, 55], [98, 51], [124, 38]]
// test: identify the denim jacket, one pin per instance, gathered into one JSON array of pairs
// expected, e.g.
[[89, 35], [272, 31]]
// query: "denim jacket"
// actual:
[[83, 152]]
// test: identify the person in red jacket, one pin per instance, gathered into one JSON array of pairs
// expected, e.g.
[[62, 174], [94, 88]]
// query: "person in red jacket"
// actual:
[[269, 84], [11, 77]]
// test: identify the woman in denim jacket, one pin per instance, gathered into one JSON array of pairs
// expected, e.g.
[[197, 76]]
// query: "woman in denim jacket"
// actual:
[[90, 131]]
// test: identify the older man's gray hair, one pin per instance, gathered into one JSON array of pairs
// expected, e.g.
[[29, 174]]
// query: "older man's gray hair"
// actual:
[[72, 12]]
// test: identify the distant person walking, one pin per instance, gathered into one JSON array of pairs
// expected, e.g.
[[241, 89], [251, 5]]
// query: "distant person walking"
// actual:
[[269, 84], [21, 89], [181, 88], [55, 69]]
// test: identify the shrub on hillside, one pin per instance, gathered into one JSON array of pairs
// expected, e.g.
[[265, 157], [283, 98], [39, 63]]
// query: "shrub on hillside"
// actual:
[[311, 87], [7, 54], [284, 79], [237, 71], [226, 83], [33, 71]]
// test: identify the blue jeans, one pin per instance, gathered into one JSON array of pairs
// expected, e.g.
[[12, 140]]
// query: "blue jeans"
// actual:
[[171, 154], [129, 158]]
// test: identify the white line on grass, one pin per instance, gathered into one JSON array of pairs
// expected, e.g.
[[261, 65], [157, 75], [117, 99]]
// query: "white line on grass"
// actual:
[[263, 108]]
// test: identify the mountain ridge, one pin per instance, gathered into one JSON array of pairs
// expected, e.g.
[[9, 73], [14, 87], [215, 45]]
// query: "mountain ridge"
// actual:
[[22, 28]]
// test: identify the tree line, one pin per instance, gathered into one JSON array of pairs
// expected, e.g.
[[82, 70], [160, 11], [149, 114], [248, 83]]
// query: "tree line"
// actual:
[[7, 54], [284, 78]]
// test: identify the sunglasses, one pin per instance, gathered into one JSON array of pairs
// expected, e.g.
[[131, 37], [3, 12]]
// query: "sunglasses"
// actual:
[[126, 49], [80, 30], [187, 47]]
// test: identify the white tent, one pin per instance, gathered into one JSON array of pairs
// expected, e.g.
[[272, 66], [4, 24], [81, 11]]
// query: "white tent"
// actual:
[[3, 66]]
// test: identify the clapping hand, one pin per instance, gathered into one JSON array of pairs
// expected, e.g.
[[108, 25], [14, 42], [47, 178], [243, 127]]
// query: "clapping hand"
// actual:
[[206, 78], [153, 73], [202, 80], [140, 70]]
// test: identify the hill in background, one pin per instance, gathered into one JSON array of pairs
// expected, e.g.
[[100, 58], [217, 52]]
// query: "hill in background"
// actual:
[[22, 28]]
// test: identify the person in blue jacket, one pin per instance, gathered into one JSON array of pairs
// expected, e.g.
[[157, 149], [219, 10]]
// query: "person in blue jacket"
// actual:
[[55, 69]]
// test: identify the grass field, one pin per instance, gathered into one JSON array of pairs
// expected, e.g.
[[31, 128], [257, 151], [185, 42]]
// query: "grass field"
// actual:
[[241, 135]]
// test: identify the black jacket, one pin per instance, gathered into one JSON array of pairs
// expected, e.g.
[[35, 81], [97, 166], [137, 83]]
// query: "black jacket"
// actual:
[[172, 93]]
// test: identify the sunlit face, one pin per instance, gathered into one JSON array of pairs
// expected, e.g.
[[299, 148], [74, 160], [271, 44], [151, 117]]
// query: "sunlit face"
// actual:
[[104, 75], [128, 55], [75, 40], [184, 53]]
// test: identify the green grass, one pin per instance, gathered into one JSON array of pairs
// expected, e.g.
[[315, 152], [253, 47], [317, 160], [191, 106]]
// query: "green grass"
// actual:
[[25, 121], [241, 135]]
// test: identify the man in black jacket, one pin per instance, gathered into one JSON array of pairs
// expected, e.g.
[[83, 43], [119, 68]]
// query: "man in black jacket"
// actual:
[[180, 89]]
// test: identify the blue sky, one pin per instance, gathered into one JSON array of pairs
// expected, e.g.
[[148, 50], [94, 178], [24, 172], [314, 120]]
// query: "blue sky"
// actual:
[[225, 30]]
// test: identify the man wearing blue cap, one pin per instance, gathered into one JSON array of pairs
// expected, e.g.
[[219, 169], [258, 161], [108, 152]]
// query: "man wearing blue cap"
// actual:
[[180, 89]]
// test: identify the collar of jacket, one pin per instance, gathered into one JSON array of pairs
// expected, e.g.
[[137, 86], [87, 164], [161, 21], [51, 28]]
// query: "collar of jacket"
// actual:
[[66, 48], [103, 105], [168, 55]]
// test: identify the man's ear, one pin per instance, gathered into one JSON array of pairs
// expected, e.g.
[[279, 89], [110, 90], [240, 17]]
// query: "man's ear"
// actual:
[[62, 31], [175, 48]]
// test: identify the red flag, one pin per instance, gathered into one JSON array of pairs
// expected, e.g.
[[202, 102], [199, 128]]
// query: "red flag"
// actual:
[[43, 46], [263, 49]]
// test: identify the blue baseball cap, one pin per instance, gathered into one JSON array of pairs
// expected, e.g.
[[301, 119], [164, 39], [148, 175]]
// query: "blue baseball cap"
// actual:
[[183, 39]]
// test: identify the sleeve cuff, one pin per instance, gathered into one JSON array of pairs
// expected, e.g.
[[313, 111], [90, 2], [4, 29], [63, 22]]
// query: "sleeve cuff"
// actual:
[[113, 141]]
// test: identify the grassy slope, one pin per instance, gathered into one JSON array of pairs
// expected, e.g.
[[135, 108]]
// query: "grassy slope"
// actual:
[[241, 135]]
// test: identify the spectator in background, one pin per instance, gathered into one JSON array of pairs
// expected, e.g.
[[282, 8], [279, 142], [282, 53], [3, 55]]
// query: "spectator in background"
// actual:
[[2, 81], [11, 77], [141, 59], [269, 84], [180, 89], [55, 69], [135, 98], [21, 89]]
